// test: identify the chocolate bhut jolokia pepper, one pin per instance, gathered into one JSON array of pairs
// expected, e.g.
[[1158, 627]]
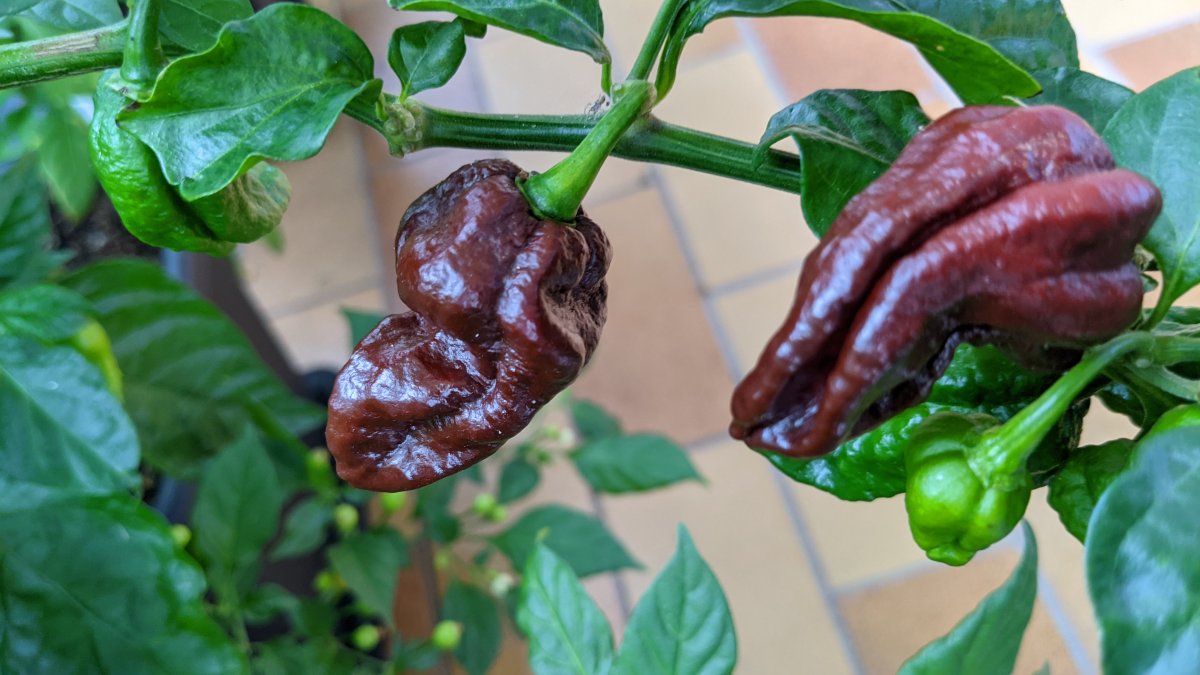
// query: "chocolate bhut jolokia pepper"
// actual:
[[1005, 226], [506, 310]]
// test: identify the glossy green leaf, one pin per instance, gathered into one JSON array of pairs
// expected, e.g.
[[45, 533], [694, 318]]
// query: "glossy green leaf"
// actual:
[[270, 88], [1075, 490], [1157, 134], [477, 612], [568, 635], [66, 15], [633, 463], [360, 323], [96, 584], [369, 562], [517, 479], [24, 224], [1092, 97], [62, 429], [682, 623], [847, 138], [1034, 34], [433, 507], [592, 421], [194, 24], [192, 380], [977, 71], [267, 601], [44, 313], [236, 514], [986, 642], [573, 24], [304, 529], [579, 539], [426, 55], [1141, 559]]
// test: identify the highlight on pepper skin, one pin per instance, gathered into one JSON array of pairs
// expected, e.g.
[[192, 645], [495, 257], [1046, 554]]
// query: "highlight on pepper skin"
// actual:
[[506, 311], [1005, 226]]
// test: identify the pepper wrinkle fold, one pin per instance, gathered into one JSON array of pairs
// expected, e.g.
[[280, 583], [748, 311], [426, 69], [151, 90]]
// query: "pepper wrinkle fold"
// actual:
[[995, 225], [506, 310]]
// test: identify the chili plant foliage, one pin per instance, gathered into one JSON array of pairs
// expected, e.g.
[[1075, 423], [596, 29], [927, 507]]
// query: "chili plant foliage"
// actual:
[[962, 312]]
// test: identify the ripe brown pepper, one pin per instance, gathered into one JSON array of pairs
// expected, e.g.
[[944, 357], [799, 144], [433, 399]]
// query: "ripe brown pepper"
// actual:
[[506, 310], [995, 225]]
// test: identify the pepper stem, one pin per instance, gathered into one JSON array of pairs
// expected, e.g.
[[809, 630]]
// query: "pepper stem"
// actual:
[[557, 194], [1002, 451], [143, 57]]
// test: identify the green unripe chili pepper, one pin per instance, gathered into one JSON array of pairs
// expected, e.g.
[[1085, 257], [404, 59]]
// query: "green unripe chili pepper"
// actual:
[[151, 208], [92, 342], [953, 511]]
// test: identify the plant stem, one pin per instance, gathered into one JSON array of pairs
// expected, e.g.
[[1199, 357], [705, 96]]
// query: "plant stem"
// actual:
[[648, 140], [558, 193], [1003, 451], [143, 56], [62, 55], [654, 39]]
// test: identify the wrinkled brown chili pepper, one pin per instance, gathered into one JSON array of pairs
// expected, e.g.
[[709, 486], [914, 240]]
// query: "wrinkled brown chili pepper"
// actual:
[[1001, 225], [506, 311]]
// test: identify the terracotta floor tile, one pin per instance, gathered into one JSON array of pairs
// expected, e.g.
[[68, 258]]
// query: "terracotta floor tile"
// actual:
[[1105, 21], [1102, 425], [810, 53], [319, 337], [891, 622], [527, 76], [329, 240], [858, 541], [1150, 59], [751, 315], [742, 530], [734, 76], [1061, 564], [658, 367]]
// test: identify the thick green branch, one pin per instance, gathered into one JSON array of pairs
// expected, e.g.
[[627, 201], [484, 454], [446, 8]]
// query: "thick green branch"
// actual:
[[62, 55], [648, 140]]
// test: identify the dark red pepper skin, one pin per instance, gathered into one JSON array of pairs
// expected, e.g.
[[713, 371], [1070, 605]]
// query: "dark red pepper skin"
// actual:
[[1002, 225], [506, 311]]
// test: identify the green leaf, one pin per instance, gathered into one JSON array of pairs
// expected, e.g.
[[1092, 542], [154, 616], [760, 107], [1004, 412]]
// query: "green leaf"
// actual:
[[567, 633], [633, 463], [96, 584], [63, 430], [477, 612], [593, 421], [1141, 558], [194, 24], [1157, 134], [518, 478], [682, 624], [236, 514], [360, 323], [1076, 488], [267, 601], [986, 642], [24, 225], [270, 88], [192, 380], [426, 55], [304, 529], [847, 138], [1034, 34], [369, 562], [66, 15], [579, 539], [44, 313], [573, 24], [977, 71], [62, 143], [433, 507], [1092, 97]]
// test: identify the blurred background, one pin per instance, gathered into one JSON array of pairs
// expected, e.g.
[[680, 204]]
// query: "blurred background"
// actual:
[[703, 273]]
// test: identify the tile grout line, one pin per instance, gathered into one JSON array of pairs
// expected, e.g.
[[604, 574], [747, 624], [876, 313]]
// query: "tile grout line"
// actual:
[[325, 295], [1066, 629]]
